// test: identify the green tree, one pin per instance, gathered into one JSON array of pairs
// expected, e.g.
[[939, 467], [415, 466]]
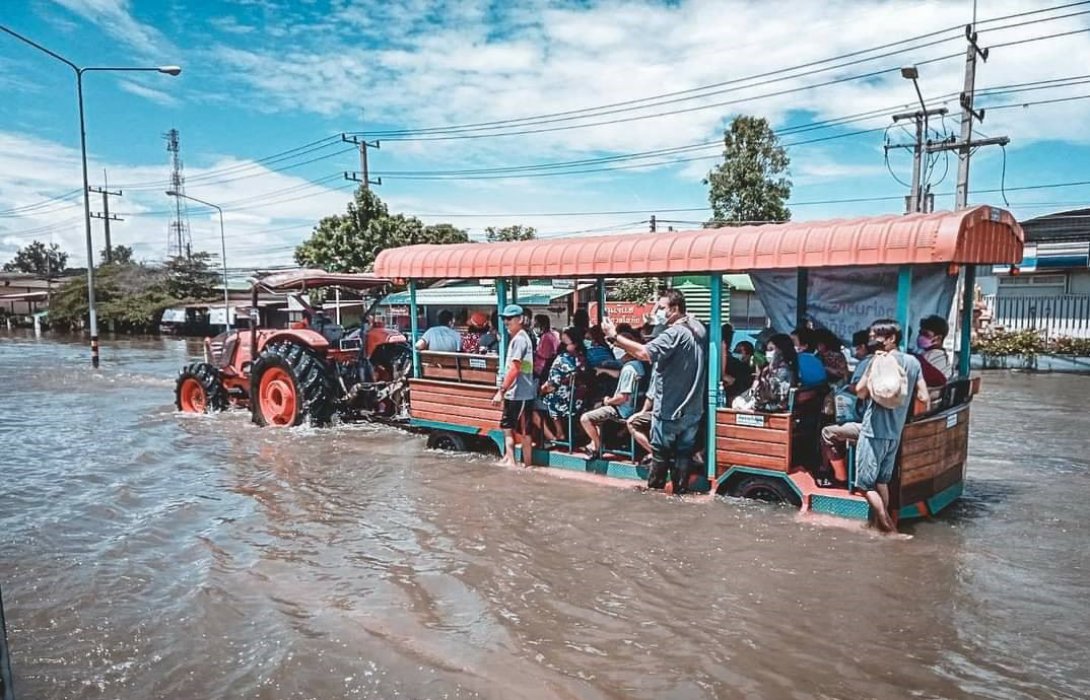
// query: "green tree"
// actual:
[[39, 259], [118, 255], [751, 183], [190, 278], [351, 242], [131, 297], [517, 232], [635, 289]]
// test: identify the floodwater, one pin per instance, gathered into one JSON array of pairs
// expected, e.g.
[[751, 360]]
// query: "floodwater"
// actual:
[[146, 554]]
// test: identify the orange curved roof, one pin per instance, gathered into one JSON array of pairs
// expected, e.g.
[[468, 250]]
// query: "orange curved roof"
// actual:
[[983, 235]]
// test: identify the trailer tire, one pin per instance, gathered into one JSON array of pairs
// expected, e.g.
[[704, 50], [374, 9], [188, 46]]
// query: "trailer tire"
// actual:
[[446, 441], [763, 488]]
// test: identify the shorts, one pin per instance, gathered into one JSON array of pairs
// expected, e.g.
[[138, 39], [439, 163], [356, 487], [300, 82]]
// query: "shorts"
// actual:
[[514, 414], [639, 422], [676, 437], [604, 414], [874, 461]]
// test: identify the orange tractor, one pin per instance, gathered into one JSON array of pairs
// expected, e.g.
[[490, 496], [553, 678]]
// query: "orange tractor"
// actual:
[[306, 373]]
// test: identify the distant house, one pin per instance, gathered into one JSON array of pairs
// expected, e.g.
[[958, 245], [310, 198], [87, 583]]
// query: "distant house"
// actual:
[[24, 294], [1050, 289]]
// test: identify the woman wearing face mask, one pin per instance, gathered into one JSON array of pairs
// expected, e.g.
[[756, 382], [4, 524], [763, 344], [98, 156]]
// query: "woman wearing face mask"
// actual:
[[555, 403], [772, 389], [934, 362]]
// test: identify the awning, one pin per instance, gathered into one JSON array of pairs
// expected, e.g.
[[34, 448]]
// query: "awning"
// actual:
[[479, 296], [983, 235], [309, 279]]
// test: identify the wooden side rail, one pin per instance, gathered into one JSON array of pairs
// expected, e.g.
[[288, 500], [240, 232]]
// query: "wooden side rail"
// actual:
[[459, 367], [451, 402], [770, 440], [933, 452]]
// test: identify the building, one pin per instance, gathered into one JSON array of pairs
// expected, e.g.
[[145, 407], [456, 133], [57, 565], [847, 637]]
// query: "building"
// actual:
[[24, 294], [1050, 290]]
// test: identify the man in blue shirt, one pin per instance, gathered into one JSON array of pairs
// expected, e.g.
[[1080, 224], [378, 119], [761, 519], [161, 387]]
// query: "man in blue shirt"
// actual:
[[880, 436], [835, 438], [680, 357]]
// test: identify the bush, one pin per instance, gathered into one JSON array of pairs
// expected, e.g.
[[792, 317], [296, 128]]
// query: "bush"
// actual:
[[1030, 343]]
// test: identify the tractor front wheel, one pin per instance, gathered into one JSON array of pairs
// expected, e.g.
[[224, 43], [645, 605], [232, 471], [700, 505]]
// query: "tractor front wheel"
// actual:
[[291, 384], [199, 389]]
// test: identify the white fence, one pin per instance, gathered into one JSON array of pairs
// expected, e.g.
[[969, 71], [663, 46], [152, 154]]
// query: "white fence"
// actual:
[[1067, 315]]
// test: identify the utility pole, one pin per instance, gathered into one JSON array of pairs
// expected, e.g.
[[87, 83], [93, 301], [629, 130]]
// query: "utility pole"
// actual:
[[654, 224], [965, 144], [917, 201], [105, 213], [363, 175]]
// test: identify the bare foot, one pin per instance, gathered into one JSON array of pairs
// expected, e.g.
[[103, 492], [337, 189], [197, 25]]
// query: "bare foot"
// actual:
[[506, 463]]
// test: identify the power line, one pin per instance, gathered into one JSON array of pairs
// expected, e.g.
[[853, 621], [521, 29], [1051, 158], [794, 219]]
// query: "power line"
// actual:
[[714, 88]]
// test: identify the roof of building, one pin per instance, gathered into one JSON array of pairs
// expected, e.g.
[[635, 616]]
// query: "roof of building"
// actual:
[[981, 234], [1058, 226]]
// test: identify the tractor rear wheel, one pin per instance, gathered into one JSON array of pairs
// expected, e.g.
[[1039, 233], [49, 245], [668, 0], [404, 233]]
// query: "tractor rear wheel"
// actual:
[[291, 384], [199, 389]]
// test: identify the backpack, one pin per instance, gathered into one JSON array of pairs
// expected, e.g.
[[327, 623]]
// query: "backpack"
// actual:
[[888, 383]]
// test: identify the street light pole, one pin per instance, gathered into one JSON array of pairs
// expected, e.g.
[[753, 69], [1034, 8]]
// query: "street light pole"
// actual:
[[169, 70], [223, 252]]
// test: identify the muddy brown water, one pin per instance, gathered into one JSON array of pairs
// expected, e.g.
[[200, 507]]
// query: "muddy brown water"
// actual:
[[146, 554]]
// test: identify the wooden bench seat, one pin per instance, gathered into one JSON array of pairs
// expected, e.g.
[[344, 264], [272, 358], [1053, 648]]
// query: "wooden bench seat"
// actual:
[[459, 367], [776, 441]]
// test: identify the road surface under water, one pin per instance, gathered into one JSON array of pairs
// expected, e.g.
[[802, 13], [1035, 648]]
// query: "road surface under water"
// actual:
[[147, 554]]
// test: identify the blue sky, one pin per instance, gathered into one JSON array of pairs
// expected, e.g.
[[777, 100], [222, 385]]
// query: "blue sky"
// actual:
[[263, 77]]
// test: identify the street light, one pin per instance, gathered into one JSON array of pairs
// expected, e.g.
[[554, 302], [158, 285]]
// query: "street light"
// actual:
[[913, 73], [223, 253], [168, 70]]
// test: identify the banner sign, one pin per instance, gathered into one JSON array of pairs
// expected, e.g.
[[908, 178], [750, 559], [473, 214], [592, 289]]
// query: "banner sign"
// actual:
[[629, 312], [849, 299]]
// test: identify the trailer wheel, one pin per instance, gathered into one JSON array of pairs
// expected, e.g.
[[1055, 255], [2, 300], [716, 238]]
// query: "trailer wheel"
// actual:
[[446, 441], [763, 488], [199, 389]]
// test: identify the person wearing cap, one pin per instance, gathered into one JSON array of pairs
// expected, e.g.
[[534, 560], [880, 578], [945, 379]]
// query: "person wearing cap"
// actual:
[[517, 387], [475, 328]]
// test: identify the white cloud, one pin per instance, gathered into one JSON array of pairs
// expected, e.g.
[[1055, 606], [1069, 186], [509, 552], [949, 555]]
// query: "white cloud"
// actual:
[[159, 97], [114, 17], [457, 63]]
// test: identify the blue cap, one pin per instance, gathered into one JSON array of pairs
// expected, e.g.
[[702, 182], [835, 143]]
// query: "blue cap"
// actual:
[[511, 311]]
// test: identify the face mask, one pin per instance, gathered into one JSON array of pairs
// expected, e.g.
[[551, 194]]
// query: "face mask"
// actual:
[[659, 319], [923, 342], [537, 332], [771, 355]]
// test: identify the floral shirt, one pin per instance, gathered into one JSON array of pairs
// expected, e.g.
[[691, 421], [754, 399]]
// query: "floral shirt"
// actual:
[[773, 388], [836, 366], [561, 378]]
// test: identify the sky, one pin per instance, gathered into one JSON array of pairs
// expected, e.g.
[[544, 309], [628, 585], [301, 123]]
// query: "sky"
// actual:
[[570, 116]]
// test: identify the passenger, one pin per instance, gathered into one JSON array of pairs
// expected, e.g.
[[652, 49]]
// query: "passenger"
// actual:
[[441, 337], [811, 370], [599, 353], [490, 339], [744, 351], [737, 375], [830, 351], [771, 392], [548, 345], [835, 438], [880, 435], [476, 327], [639, 427], [934, 362], [581, 320], [679, 354], [560, 386], [618, 407], [517, 389]]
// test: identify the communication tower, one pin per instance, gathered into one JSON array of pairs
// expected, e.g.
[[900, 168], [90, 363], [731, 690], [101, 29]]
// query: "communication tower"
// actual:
[[179, 241]]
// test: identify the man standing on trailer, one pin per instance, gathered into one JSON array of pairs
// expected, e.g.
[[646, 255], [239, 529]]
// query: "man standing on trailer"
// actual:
[[880, 436], [679, 355], [517, 388]]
